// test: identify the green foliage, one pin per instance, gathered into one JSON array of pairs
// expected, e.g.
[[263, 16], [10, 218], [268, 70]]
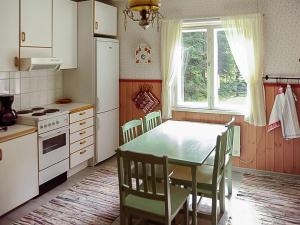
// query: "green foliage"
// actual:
[[231, 83]]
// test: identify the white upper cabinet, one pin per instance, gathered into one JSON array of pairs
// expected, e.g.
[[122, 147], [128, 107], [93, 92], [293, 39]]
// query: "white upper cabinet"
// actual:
[[36, 23], [65, 32], [9, 38], [105, 19]]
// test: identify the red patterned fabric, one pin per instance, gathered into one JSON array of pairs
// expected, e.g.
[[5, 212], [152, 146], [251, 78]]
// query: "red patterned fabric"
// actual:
[[146, 101]]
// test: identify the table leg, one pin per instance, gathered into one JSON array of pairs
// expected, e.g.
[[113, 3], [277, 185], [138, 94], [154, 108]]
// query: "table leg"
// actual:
[[194, 195]]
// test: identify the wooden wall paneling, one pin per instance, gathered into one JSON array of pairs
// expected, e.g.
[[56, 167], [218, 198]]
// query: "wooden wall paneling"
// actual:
[[296, 142], [261, 148], [288, 156], [128, 89], [252, 131], [244, 145], [122, 103], [296, 156], [270, 97], [129, 102], [177, 115]]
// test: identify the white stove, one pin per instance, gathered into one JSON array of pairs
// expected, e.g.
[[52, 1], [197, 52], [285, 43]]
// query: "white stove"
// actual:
[[44, 118], [53, 140]]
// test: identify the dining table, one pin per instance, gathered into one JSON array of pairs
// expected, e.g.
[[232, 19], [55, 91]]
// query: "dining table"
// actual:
[[185, 143]]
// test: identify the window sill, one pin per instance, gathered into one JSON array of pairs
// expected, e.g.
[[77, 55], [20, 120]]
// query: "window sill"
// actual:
[[211, 111]]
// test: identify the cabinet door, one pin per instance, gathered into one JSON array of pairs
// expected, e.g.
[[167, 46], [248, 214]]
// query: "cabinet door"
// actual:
[[9, 38], [65, 32], [36, 23], [105, 19], [18, 172]]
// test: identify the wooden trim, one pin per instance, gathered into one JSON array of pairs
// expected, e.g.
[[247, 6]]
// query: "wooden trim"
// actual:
[[279, 84], [82, 108], [18, 134], [140, 81]]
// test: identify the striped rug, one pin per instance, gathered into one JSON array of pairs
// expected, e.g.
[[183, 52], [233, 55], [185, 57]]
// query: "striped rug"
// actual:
[[94, 200], [276, 198]]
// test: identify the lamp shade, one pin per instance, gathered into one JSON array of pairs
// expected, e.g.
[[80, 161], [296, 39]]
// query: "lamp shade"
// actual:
[[139, 5]]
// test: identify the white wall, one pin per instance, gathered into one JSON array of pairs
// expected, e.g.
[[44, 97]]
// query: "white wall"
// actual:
[[281, 32]]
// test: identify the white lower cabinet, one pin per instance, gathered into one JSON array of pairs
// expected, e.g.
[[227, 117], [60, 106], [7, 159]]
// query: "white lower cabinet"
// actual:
[[18, 172], [81, 137]]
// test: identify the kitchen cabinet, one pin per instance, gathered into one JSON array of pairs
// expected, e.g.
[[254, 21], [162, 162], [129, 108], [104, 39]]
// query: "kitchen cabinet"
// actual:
[[9, 38], [105, 19], [18, 171], [36, 23], [65, 32]]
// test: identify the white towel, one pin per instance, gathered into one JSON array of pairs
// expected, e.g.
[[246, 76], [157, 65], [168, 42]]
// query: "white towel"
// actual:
[[289, 115], [276, 114]]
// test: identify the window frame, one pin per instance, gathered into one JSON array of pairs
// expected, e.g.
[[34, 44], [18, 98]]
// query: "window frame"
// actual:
[[211, 27]]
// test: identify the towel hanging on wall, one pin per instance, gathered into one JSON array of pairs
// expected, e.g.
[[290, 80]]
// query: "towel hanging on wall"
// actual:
[[289, 115], [275, 120], [284, 114]]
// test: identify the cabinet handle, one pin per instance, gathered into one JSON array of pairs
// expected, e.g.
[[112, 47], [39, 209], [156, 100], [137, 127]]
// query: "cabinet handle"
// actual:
[[23, 36], [82, 113], [82, 142], [83, 132], [82, 123], [96, 25], [82, 152], [1, 156]]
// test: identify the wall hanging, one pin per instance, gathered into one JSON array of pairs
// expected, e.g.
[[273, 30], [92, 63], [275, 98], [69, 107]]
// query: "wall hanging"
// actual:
[[143, 54], [145, 99]]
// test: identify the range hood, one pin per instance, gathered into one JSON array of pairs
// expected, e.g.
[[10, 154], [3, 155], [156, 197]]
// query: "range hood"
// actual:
[[29, 64]]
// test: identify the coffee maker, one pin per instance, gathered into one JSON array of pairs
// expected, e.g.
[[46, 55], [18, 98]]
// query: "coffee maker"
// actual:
[[8, 115]]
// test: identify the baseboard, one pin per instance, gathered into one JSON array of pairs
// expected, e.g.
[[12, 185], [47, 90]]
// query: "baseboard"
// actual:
[[77, 168], [261, 172]]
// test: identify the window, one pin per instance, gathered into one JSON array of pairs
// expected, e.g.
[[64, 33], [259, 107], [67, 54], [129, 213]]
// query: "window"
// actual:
[[210, 78]]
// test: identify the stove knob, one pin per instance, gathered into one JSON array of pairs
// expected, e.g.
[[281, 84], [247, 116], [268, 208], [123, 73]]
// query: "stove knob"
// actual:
[[45, 125], [53, 123], [41, 127], [49, 124], [57, 122]]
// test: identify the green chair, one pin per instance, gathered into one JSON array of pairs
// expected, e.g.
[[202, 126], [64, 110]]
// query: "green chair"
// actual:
[[152, 120], [210, 179], [146, 198], [132, 129], [228, 158]]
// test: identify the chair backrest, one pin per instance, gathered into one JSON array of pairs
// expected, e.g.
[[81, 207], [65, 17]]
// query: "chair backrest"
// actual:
[[219, 164], [129, 163], [152, 120], [230, 136], [132, 129]]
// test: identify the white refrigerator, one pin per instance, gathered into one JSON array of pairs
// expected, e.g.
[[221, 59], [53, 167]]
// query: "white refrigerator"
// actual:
[[107, 99]]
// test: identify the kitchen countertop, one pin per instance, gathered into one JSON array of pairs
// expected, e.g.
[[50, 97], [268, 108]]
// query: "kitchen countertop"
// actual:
[[72, 107], [16, 131]]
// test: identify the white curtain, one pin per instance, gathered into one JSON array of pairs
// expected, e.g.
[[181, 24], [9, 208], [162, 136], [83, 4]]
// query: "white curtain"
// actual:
[[245, 38], [170, 62]]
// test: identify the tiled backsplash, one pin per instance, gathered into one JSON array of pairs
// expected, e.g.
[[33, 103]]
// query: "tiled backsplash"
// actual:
[[33, 88]]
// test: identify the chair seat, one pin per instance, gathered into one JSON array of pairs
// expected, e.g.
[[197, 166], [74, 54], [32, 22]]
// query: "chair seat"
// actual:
[[178, 197], [204, 174]]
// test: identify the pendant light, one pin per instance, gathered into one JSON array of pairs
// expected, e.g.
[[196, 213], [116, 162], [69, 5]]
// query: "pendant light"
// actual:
[[145, 12]]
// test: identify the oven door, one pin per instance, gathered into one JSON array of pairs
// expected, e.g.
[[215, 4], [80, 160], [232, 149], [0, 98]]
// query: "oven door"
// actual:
[[53, 147]]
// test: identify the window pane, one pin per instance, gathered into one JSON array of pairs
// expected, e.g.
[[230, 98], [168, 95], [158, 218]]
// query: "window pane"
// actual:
[[194, 68], [232, 88]]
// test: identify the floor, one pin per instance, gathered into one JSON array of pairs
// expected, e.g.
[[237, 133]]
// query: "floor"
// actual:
[[237, 212]]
